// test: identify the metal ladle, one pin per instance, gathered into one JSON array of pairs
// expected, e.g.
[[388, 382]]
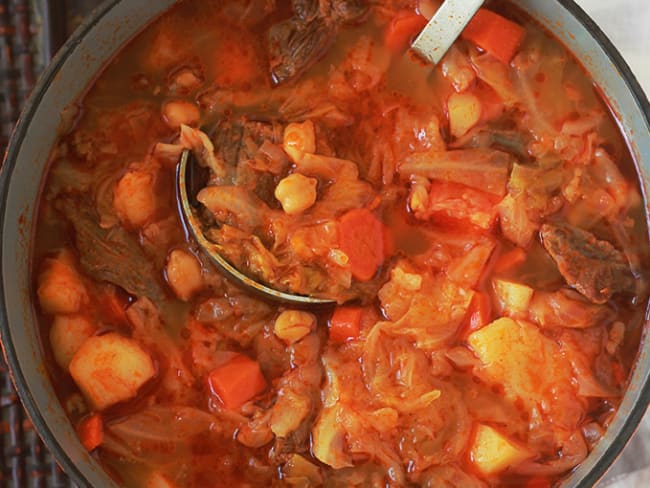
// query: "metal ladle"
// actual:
[[444, 28], [432, 44], [193, 226]]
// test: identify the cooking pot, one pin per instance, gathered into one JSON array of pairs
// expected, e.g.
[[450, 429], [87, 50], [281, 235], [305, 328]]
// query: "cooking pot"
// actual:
[[76, 66]]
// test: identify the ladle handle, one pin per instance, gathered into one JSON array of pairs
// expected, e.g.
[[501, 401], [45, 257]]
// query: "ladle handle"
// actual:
[[444, 28]]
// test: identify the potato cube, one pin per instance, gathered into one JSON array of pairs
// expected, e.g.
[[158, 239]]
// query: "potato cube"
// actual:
[[183, 273], [514, 298], [60, 287], [517, 355], [110, 368], [67, 335], [464, 111], [492, 452], [135, 198]]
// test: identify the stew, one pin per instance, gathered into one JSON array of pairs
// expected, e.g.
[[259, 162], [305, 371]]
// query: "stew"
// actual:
[[479, 224]]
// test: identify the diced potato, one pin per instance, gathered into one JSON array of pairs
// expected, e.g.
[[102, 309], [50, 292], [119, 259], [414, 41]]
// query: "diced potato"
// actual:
[[514, 298], [134, 197], [183, 272], [517, 355], [178, 112], [464, 110], [328, 439], [61, 289], [492, 452], [299, 139], [110, 368], [296, 193], [67, 334], [293, 325]]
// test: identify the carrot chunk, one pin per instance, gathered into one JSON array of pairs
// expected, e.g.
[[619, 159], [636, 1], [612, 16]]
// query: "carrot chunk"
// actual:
[[510, 260], [402, 29], [91, 431], [237, 381], [345, 324], [497, 35], [362, 239]]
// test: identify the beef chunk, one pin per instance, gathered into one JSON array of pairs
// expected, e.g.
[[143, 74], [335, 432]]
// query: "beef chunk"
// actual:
[[111, 255], [238, 144], [306, 10], [239, 140], [349, 11], [593, 267], [295, 46], [297, 43]]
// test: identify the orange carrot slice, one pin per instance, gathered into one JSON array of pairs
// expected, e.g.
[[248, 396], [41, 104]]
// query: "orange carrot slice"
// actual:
[[497, 35], [91, 431], [237, 381], [345, 324], [362, 239]]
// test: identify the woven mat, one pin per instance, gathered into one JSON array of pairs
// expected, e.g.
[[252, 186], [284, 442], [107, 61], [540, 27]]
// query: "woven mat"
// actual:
[[31, 31]]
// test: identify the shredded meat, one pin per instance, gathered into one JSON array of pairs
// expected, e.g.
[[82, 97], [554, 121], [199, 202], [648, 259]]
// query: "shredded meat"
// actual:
[[111, 255], [295, 46], [297, 43]]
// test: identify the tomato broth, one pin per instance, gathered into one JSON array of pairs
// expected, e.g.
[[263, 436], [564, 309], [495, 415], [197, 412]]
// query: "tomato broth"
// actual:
[[479, 225]]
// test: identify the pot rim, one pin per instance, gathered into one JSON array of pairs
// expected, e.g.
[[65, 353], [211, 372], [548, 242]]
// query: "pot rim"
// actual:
[[16, 141], [596, 471]]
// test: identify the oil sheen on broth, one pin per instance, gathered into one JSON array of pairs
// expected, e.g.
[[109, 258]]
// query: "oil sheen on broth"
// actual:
[[479, 224]]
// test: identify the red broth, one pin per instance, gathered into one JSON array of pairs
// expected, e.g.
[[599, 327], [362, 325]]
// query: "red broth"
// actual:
[[479, 223]]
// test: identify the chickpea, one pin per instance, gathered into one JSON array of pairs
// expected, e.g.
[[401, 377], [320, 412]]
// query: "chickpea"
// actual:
[[299, 139], [183, 273], [185, 80], [296, 193], [134, 197], [293, 325], [179, 113]]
